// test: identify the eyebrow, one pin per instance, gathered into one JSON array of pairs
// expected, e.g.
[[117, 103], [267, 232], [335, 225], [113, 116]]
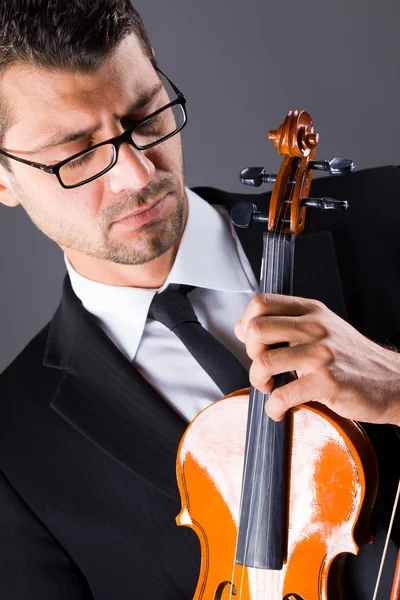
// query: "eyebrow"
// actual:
[[61, 138]]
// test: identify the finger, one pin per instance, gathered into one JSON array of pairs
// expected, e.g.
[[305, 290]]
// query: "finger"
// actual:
[[266, 386], [304, 358], [264, 331], [278, 304], [311, 387], [239, 331]]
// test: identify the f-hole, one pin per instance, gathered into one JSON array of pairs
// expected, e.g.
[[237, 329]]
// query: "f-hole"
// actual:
[[221, 587]]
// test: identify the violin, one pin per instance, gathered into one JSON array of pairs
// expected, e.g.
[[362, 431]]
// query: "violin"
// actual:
[[277, 505]]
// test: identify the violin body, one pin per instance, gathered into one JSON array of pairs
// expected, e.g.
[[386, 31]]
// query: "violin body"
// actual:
[[331, 464], [277, 505]]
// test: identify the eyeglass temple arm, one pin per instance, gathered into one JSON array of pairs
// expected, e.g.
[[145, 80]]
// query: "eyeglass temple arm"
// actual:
[[176, 90]]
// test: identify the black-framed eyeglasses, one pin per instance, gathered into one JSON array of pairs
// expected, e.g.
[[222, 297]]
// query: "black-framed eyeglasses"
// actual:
[[93, 162]]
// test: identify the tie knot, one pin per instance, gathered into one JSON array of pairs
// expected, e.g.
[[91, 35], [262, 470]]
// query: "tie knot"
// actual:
[[172, 307]]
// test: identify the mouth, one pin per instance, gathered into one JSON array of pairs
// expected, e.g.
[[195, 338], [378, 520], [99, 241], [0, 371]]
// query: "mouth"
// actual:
[[143, 215]]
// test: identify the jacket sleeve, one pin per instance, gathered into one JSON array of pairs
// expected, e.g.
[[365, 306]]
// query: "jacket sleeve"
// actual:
[[32, 563]]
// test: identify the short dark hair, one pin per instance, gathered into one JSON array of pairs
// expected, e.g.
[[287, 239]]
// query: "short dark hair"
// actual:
[[63, 35]]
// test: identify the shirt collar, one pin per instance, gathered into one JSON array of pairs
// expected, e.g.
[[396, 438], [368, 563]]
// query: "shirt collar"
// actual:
[[208, 257]]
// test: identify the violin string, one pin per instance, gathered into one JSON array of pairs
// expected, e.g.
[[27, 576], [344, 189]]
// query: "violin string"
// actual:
[[275, 284], [272, 289], [268, 423], [253, 393], [277, 279], [286, 217], [267, 283], [275, 288], [251, 416], [286, 206], [378, 580]]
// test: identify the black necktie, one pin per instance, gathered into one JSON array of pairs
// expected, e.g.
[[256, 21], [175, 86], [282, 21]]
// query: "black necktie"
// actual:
[[173, 309]]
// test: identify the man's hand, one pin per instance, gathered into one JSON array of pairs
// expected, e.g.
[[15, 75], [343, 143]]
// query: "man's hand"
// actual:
[[335, 364]]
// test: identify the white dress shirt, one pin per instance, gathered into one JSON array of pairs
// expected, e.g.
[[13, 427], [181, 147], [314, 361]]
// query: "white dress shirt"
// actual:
[[209, 257]]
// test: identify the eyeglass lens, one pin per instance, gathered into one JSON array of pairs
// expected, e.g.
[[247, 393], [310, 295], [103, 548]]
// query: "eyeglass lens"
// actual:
[[151, 131]]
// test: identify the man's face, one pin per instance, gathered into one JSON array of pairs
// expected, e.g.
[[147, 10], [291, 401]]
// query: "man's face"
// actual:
[[82, 221]]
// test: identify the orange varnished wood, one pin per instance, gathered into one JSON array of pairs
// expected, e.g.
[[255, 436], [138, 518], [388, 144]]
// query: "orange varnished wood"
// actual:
[[325, 501], [395, 594], [295, 138]]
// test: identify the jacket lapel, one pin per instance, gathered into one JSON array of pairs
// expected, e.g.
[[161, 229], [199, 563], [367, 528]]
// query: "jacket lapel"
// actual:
[[106, 399]]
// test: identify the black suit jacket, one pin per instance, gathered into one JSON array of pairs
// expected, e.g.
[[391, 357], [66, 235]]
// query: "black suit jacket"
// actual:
[[88, 497]]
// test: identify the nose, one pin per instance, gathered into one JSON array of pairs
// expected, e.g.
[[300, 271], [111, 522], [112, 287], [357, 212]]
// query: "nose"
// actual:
[[133, 170]]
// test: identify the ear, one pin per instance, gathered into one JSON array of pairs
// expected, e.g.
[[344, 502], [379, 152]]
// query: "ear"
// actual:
[[7, 195]]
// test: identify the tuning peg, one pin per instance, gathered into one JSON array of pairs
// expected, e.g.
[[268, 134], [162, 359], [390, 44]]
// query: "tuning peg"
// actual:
[[243, 214], [256, 176], [335, 166], [325, 203]]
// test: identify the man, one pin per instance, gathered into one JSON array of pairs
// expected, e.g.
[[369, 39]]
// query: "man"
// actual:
[[93, 409]]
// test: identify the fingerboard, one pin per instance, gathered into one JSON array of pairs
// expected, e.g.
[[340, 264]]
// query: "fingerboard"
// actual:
[[261, 539]]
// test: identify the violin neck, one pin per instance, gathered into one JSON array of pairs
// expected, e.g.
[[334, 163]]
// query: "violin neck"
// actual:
[[261, 541], [277, 264]]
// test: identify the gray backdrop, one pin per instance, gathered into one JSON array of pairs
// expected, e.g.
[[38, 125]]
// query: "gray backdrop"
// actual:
[[242, 66]]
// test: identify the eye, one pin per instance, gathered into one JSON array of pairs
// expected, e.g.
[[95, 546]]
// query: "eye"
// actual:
[[142, 114], [78, 162], [135, 119], [152, 123]]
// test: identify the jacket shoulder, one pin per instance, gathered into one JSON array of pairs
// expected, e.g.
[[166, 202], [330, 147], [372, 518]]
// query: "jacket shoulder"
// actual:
[[24, 371]]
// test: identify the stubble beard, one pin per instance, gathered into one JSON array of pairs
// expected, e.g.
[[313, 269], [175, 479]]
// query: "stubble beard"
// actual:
[[157, 238], [153, 239]]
